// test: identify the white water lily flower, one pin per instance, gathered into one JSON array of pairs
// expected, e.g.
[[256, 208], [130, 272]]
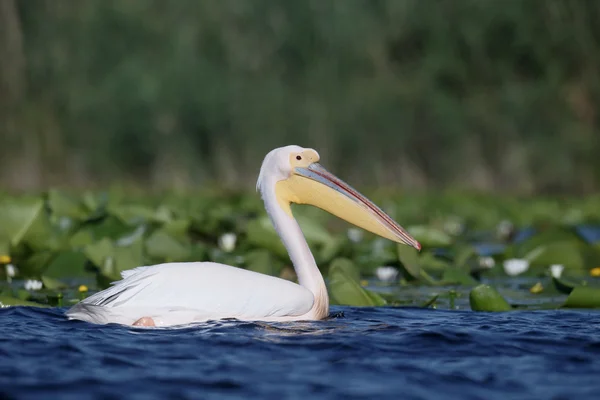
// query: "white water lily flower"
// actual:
[[355, 235], [33, 284], [386, 273], [504, 228], [11, 271], [227, 242], [487, 262], [556, 270], [515, 266]]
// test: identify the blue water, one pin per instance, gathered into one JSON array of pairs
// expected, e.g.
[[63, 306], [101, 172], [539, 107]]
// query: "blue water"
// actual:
[[359, 353]]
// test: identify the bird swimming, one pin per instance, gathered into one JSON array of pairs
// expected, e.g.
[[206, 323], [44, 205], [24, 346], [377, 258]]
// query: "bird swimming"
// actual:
[[180, 293]]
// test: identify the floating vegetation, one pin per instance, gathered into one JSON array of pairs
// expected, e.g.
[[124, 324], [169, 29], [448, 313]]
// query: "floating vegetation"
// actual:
[[482, 253], [486, 298]]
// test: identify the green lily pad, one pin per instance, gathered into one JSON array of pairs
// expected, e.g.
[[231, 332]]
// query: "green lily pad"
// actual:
[[430, 302], [112, 259], [430, 237], [162, 246], [425, 278], [583, 297], [6, 301], [17, 217], [81, 238], [198, 252], [486, 298], [314, 232], [110, 227], [260, 233], [347, 266], [128, 257], [409, 258], [35, 264], [177, 228], [456, 276], [93, 202], [99, 251], [108, 273], [69, 264], [331, 249], [545, 238], [133, 215], [464, 255], [563, 285], [568, 254], [262, 262], [63, 205], [53, 284], [4, 248], [431, 263], [42, 235], [345, 290]]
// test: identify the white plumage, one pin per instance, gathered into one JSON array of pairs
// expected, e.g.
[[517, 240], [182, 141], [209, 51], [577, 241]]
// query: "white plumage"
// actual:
[[180, 293]]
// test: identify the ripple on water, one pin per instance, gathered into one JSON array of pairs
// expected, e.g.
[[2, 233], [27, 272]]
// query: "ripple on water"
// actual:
[[360, 352]]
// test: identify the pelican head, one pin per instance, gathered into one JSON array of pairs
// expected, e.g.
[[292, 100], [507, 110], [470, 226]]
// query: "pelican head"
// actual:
[[297, 177]]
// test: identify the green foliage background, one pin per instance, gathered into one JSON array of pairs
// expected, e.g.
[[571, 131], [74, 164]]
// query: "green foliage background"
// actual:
[[498, 95]]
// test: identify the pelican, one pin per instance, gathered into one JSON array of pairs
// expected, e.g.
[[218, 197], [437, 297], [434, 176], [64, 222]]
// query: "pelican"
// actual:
[[186, 292]]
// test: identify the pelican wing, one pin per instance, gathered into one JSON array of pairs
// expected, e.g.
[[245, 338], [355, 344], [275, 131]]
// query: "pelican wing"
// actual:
[[175, 293]]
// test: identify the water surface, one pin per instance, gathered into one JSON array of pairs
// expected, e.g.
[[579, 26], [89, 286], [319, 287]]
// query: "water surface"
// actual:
[[378, 353]]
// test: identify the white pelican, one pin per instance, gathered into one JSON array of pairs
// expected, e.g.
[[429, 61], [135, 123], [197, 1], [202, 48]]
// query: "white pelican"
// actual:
[[181, 293]]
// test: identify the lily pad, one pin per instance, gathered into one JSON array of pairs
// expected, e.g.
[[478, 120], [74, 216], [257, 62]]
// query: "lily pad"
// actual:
[[262, 262], [4, 248], [464, 255], [563, 285], [431, 263], [63, 205], [345, 290], [347, 266], [134, 214], [409, 257], [568, 254], [162, 246], [456, 276], [429, 236], [42, 235], [109, 227], [430, 302], [111, 259], [35, 264], [69, 264], [331, 249], [544, 238], [81, 238], [17, 217], [128, 257], [260, 233], [53, 284], [99, 251], [583, 297], [314, 232], [177, 228], [486, 298], [7, 301]]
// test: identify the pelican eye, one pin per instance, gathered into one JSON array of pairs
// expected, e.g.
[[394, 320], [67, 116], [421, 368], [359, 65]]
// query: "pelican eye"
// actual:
[[298, 158]]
